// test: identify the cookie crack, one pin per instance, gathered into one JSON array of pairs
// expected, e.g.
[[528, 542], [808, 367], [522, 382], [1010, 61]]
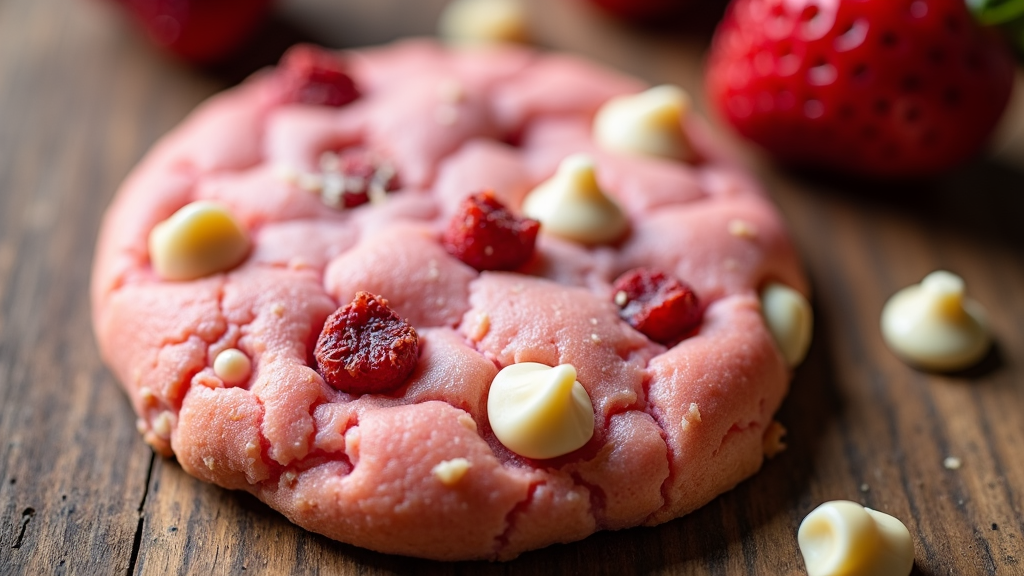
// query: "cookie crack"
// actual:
[[502, 541], [651, 409], [598, 500], [734, 429]]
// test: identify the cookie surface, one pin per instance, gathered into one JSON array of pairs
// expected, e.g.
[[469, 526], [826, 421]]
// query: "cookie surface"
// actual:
[[674, 426]]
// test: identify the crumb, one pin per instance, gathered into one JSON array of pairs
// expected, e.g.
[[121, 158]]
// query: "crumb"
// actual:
[[467, 421], [952, 463], [692, 416], [864, 488], [449, 472], [772, 443], [163, 424]]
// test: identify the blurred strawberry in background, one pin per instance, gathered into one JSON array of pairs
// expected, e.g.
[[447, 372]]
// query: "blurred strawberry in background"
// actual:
[[879, 88], [199, 31]]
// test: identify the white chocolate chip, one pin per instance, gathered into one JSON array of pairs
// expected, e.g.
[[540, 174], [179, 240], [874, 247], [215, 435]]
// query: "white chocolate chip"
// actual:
[[572, 205], [200, 239], [449, 472], [843, 538], [232, 366], [539, 411], [649, 123], [935, 326], [163, 424], [742, 229], [790, 320], [484, 21], [952, 463]]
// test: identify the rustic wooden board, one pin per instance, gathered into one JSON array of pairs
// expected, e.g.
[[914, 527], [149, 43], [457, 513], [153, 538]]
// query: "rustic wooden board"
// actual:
[[82, 97]]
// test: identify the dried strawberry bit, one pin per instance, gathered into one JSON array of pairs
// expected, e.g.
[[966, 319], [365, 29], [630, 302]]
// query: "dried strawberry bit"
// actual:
[[487, 236], [354, 177], [366, 348], [312, 75], [658, 305]]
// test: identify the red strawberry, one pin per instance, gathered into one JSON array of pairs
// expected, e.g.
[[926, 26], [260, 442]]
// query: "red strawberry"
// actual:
[[200, 31], [872, 87]]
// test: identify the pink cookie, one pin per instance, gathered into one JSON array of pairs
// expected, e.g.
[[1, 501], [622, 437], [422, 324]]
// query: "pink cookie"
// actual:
[[674, 426]]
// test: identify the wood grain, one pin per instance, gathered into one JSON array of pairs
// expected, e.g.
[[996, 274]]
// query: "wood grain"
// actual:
[[81, 99]]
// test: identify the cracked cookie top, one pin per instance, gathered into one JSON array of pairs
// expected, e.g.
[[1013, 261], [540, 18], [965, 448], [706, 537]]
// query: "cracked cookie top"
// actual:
[[335, 177]]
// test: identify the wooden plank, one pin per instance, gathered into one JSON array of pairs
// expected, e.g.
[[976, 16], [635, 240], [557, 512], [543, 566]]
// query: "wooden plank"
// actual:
[[73, 471]]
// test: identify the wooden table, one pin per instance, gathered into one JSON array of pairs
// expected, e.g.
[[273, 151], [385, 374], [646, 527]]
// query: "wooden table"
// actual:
[[82, 97]]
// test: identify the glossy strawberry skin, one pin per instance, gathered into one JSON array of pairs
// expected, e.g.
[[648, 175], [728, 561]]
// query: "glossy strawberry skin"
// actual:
[[199, 31], [877, 88]]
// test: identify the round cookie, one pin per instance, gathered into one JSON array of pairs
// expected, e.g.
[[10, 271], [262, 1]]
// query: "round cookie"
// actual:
[[417, 470]]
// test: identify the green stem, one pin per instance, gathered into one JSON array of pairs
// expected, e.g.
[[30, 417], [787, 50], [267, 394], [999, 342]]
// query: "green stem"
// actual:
[[1007, 16], [993, 12]]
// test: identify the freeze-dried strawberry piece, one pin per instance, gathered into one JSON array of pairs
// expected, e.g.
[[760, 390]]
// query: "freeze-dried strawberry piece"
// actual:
[[312, 75], [364, 175], [658, 305], [366, 348], [487, 236]]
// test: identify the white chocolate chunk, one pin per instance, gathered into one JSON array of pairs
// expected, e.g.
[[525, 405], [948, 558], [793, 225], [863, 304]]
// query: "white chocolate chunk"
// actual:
[[571, 204], [232, 366], [484, 21], [649, 123], [449, 472], [843, 538], [790, 320], [934, 325], [538, 411], [200, 239]]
